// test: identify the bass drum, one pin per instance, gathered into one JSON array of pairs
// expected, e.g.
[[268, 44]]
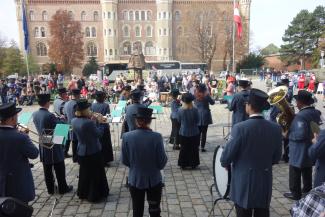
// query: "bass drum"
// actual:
[[222, 177]]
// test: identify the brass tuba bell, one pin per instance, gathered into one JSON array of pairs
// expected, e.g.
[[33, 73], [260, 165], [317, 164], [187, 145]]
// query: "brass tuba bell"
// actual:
[[277, 97]]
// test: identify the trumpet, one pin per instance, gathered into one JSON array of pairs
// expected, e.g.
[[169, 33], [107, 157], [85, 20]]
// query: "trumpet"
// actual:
[[99, 117]]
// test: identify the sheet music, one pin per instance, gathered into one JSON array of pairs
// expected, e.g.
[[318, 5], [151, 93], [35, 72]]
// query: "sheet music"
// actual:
[[58, 140], [116, 120]]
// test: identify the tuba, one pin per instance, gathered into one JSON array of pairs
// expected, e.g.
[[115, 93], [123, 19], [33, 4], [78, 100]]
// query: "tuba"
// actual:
[[277, 98]]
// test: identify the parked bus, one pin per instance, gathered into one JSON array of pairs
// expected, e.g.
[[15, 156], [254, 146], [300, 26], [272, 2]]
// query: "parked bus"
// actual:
[[193, 66]]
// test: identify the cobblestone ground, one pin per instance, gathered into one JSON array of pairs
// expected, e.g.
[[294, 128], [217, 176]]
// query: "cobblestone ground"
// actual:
[[186, 192]]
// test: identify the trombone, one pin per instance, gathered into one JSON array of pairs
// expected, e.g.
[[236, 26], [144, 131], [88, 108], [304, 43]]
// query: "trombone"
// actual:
[[23, 129], [44, 140]]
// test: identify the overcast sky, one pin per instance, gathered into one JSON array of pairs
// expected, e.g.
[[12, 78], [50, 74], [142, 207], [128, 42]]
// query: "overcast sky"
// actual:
[[269, 19]]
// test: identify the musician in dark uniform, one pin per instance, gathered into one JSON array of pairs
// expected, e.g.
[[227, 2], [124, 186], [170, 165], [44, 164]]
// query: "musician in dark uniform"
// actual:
[[92, 184], [317, 153], [69, 112], [16, 148], [174, 105], [58, 106], [132, 109], [253, 147], [237, 105], [300, 140], [202, 102], [188, 117], [143, 152], [103, 108], [53, 158]]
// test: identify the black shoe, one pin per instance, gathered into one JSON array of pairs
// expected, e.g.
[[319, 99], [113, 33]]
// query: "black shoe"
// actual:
[[67, 190], [66, 155], [203, 150], [290, 196]]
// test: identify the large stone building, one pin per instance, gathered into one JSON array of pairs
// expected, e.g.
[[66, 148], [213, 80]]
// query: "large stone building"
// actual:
[[165, 29]]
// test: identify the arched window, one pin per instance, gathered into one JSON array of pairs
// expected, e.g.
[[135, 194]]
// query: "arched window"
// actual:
[[36, 32], [87, 32], [31, 16], [143, 15], [165, 15], [43, 35], [137, 31], [70, 14], [137, 15], [109, 32], [126, 32], [165, 32], [105, 52], [177, 15], [83, 15], [41, 49], [110, 52], [150, 49], [165, 51], [126, 48], [44, 15], [95, 15], [180, 31], [137, 46], [93, 32], [91, 49], [149, 31], [105, 33], [131, 15], [109, 15], [125, 15], [148, 15]]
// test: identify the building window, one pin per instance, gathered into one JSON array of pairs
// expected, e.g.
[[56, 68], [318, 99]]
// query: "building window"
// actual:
[[44, 16], [105, 52], [43, 35], [114, 15], [150, 49], [143, 15], [148, 15], [95, 15], [137, 46], [137, 15], [87, 32], [125, 15], [165, 32], [126, 32], [109, 32], [149, 31], [164, 15], [83, 16], [131, 15], [180, 31], [91, 49], [165, 51], [177, 15], [36, 32], [159, 15], [104, 15], [115, 52], [137, 31], [70, 14], [115, 32], [109, 16], [105, 33], [41, 49], [110, 52], [93, 32], [126, 48], [31, 16]]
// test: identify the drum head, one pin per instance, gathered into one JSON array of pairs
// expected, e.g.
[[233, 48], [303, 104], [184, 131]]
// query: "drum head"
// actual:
[[221, 175]]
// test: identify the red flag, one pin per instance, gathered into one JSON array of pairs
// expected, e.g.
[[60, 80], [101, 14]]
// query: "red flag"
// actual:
[[238, 22]]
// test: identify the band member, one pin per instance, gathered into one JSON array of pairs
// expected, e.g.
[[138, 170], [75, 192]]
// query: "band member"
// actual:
[[175, 105], [317, 153], [92, 184], [16, 148], [45, 123], [143, 152], [69, 112], [58, 106], [125, 95], [103, 108], [188, 117], [202, 102], [238, 105], [300, 139], [132, 109], [253, 147]]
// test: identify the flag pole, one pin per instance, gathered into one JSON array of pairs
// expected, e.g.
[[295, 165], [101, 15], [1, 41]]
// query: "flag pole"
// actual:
[[233, 40], [27, 64]]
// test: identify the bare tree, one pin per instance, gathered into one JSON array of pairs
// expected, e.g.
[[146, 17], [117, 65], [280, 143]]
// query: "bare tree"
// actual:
[[205, 36], [66, 44]]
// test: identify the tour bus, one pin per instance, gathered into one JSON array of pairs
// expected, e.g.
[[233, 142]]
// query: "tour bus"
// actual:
[[193, 67]]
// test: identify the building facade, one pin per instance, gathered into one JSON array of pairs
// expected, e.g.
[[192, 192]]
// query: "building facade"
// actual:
[[163, 29]]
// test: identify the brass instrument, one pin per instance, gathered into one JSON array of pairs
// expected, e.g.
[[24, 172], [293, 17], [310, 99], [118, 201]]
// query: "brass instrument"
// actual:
[[23, 129], [277, 97], [99, 117], [44, 140]]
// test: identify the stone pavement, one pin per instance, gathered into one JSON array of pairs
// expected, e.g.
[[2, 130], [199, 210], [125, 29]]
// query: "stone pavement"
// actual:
[[186, 192]]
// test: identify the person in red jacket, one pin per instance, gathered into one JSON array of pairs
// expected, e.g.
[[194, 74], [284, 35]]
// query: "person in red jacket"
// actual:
[[301, 82]]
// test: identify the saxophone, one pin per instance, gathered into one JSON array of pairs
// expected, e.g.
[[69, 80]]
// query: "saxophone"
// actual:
[[277, 97]]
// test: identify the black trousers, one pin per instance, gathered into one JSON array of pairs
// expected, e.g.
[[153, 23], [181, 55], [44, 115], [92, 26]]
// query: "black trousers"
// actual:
[[203, 135], [257, 212], [295, 175], [59, 169], [67, 146], [285, 149], [174, 135], [153, 198]]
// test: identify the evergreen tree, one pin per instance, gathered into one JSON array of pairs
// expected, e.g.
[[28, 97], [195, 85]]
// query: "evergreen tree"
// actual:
[[91, 67], [251, 61], [13, 61]]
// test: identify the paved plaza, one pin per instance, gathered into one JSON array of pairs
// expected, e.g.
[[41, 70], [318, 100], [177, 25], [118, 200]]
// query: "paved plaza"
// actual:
[[186, 192]]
